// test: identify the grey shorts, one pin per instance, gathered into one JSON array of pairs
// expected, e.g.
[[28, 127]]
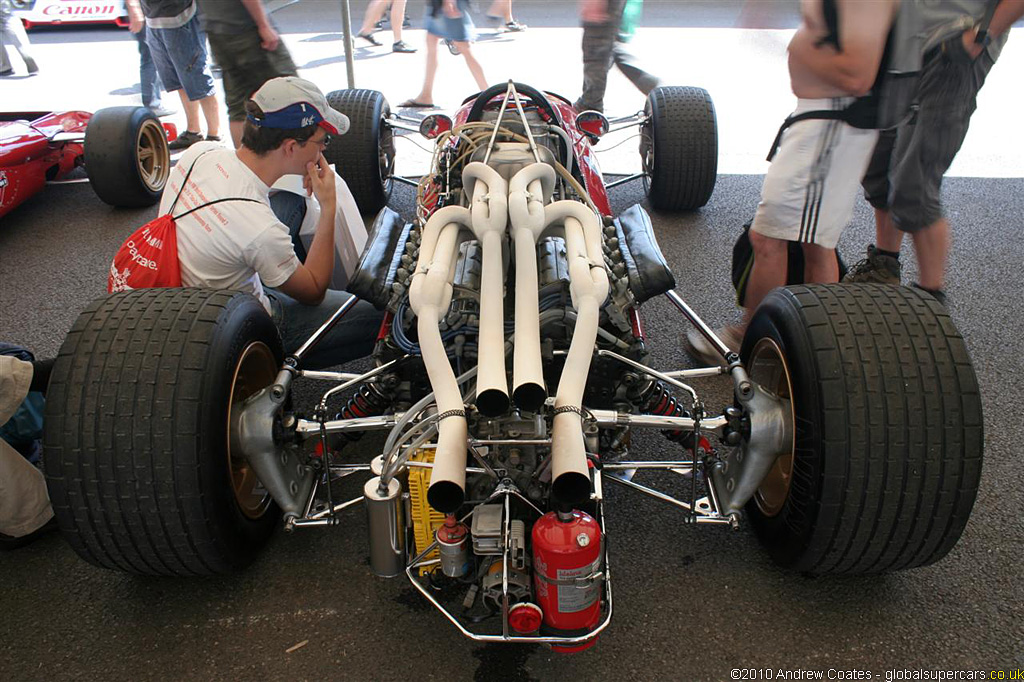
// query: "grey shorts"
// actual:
[[906, 168], [180, 56], [246, 66]]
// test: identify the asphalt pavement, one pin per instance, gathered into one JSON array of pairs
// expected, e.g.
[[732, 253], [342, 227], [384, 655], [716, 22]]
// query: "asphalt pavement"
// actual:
[[692, 603]]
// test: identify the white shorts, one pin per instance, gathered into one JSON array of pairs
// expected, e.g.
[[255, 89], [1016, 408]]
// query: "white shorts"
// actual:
[[809, 190]]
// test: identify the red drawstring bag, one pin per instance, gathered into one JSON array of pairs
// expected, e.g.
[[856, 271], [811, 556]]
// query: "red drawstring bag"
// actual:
[[148, 259]]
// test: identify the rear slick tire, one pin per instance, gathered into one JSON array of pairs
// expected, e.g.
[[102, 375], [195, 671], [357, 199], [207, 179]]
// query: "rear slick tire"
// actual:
[[126, 156], [888, 440], [365, 156], [137, 451], [679, 148]]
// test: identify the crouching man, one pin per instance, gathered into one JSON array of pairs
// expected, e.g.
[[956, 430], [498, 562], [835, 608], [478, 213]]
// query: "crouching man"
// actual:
[[235, 240]]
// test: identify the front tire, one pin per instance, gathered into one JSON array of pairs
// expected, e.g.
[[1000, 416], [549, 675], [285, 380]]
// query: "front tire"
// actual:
[[126, 156], [365, 156], [679, 148], [888, 428], [137, 447]]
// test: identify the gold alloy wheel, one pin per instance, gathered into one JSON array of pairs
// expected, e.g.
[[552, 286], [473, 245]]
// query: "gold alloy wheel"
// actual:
[[256, 369], [152, 155], [769, 369]]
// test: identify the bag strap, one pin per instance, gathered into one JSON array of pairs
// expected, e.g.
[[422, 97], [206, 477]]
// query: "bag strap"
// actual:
[[210, 203], [834, 114], [184, 183]]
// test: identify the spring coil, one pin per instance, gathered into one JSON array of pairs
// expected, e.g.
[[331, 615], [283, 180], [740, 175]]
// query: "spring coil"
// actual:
[[368, 401], [654, 398]]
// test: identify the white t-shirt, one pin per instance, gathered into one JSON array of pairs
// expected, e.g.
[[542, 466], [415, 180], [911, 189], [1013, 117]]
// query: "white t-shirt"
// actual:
[[232, 244]]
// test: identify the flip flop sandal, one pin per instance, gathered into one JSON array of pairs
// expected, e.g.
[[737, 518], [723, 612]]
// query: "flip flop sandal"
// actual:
[[452, 47], [413, 104]]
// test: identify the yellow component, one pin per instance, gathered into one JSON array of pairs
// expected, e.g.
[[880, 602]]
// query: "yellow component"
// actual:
[[425, 519]]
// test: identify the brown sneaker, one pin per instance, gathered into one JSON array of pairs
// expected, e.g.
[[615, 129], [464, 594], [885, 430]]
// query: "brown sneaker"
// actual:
[[185, 140], [875, 269], [703, 351]]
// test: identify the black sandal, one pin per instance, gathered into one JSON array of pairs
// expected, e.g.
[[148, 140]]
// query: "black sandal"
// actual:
[[368, 37]]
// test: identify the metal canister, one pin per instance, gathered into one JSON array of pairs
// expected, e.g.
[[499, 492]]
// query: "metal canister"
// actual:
[[453, 543], [385, 514]]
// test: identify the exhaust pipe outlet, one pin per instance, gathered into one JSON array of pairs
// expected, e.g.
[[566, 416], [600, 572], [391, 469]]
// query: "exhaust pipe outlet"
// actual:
[[489, 210], [529, 190], [588, 285], [430, 295]]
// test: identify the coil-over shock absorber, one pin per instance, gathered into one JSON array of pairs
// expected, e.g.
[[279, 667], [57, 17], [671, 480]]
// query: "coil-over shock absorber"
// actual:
[[652, 397], [369, 400]]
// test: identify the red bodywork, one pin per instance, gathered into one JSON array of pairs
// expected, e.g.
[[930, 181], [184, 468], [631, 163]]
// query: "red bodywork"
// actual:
[[586, 160], [29, 155]]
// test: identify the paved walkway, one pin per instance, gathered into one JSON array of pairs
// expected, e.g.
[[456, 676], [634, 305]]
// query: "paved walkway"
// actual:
[[736, 50]]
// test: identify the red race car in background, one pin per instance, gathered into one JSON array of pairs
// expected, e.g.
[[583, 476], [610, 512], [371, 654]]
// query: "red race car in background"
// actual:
[[129, 161], [49, 12]]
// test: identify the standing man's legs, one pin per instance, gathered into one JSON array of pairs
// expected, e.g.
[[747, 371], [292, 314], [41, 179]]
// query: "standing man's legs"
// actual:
[[181, 61], [598, 44], [149, 79], [12, 34]]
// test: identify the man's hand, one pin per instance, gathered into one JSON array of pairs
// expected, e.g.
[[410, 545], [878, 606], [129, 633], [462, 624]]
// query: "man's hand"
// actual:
[[972, 48], [319, 182], [136, 20], [269, 39], [594, 11]]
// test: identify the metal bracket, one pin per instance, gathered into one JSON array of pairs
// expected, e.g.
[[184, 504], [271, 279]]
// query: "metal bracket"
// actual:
[[286, 478], [737, 476]]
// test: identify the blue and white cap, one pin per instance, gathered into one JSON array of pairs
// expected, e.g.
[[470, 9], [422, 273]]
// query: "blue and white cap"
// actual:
[[291, 102]]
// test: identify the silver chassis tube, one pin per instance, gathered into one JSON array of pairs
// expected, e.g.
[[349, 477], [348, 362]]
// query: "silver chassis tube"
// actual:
[[702, 327], [324, 328], [306, 428], [623, 122], [507, 492]]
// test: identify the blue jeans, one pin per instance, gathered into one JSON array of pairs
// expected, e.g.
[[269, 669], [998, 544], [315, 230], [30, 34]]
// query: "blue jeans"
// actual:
[[149, 79], [352, 337]]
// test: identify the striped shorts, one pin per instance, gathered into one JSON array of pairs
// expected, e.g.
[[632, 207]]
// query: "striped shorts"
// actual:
[[810, 188]]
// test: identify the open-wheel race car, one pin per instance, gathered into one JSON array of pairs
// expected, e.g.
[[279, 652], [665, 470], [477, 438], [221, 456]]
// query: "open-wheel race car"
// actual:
[[126, 147], [509, 374]]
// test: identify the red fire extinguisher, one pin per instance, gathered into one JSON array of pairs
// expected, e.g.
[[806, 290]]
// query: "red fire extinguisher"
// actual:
[[567, 574]]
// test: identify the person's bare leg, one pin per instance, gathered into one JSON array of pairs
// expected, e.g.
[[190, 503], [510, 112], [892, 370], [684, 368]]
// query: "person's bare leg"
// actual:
[[191, 112], [932, 247], [472, 63], [397, 18], [374, 12], [426, 95], [236, 128], [820, 264], [501, 8], [887, 236], [771, 258], [211, 112]]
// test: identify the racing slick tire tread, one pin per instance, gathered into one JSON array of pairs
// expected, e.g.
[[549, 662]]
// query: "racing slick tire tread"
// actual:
[[889, 433], [112, 157], [683, 133], [357, 156], [135, 435]]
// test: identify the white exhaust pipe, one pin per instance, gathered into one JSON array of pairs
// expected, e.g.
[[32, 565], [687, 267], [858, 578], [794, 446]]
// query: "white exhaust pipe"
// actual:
[[430, 294], [588, 285], [489, 193], [529, 190]]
